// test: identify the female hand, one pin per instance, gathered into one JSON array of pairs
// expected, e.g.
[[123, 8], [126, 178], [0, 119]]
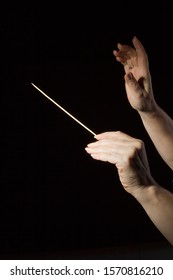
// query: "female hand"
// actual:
[[128, 155], [138, 83]]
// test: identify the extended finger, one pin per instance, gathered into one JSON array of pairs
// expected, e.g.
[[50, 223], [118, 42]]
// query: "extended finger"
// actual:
[[121, 56], [114, 135], [103, 146], [116, 144], [126, 50], [140, 50], [107, 157]]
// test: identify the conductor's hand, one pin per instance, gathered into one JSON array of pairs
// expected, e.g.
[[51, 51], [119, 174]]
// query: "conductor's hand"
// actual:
[[137, 75], [128, 155]]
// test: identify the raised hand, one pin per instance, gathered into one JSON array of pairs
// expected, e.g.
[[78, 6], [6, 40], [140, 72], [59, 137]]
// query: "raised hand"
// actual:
[[138, 83]]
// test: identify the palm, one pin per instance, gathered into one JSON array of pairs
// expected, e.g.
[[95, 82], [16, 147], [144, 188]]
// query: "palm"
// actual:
[[135, 61]]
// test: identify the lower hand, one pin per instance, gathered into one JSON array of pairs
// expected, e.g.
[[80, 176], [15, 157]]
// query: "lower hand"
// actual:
[[128, 155]]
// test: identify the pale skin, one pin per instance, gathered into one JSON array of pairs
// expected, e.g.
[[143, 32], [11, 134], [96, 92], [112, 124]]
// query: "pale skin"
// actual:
[[128, 153], [140, 95]]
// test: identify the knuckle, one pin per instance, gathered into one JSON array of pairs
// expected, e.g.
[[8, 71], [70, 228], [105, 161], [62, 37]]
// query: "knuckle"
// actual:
[[139, 144], [131, 154], [118, 132]]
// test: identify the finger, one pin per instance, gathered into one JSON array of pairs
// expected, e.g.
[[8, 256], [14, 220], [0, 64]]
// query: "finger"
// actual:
[[115, 144], [102, 149], [107, 157], [132, 83], [114, 135], [118, 156], [121, 56], [126, 49], [128, 60], [138, 47], [140, 50], [115, 149]]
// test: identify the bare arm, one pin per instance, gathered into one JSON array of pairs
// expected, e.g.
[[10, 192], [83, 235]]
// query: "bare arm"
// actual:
[[158, 204], [139, 91], [129, 157], [160, 129]]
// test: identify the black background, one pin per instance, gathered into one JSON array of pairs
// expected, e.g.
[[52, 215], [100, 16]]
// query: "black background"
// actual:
[[57, 202]]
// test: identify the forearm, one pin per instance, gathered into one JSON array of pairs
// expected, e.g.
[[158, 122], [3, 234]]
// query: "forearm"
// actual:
[[160, 129], [158, 204]]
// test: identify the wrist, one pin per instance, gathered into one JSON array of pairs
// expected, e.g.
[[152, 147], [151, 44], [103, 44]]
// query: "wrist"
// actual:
[[152, 110], [146, 195]]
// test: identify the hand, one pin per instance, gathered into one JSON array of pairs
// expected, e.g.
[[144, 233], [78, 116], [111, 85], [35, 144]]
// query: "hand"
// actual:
[[129, 156], [137, 75]]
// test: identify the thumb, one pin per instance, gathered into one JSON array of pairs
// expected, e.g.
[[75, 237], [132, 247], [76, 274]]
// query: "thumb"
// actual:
[[131, 82]]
